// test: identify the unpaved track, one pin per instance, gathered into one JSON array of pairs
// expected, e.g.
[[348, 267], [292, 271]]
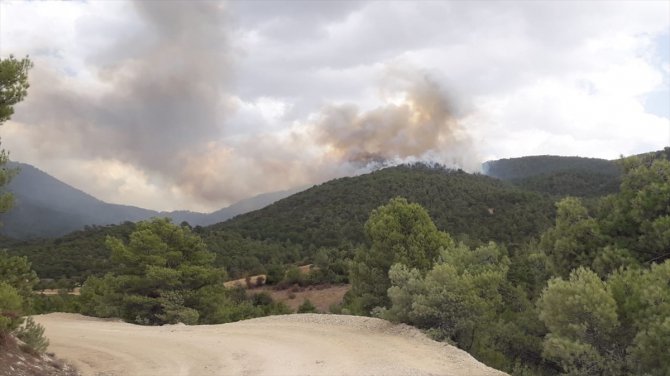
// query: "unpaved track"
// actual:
[[306, 344]]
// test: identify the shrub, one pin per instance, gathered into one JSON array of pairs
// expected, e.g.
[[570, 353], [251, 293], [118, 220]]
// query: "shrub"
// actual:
[[10, 308], [32, 334], [307, 307], [335, 309]]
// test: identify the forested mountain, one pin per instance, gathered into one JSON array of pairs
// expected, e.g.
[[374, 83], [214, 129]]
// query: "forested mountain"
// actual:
[[470, 206], [474, 208], [558, 176], [525, 167], [46, 207], [413, 243]]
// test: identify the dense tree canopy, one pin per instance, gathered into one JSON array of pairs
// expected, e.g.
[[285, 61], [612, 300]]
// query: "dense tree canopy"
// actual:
[[13, 88], [165, 274], [159, 274], [399, 232]]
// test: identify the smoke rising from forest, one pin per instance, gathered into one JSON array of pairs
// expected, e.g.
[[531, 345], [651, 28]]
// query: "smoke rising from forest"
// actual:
[[164, 107], [422, 126]]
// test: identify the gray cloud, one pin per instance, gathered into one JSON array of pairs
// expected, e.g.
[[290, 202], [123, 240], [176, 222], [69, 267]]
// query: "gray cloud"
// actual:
[[154, 109], [422, 125], [179, 96]]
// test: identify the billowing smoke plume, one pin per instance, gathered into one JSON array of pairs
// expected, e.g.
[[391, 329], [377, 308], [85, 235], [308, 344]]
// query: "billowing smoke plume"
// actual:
[[160, 95], [422, 126], [157, 120]]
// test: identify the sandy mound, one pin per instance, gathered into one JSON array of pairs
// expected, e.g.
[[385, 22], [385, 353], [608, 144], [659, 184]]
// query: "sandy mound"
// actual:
[[308, 344]]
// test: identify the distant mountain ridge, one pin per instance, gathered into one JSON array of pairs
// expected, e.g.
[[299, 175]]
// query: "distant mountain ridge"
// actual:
[[525, 167], [558, 176], [470, 206], [47, 207]]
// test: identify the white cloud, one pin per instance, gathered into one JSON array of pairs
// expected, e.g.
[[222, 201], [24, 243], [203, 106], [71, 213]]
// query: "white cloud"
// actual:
[[520, 78]]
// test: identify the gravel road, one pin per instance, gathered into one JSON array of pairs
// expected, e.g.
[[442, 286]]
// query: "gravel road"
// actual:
[[307, 344]]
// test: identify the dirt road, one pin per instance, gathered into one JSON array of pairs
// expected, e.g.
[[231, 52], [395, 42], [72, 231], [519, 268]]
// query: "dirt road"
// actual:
[[308, 344]]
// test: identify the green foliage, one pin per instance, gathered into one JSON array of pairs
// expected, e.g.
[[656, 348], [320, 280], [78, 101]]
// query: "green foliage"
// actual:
[[16, 272], [613, 327], [332, 214], [643, 301], [539, 165], [32, 334], [571, 183], [399, 232], [16, 283], [573, 240], [331, 266], [456, 299], [74, 257], [13, 84], [10, 308], [638, 218], [406, 234], [293, 276], [160, 274], [307, 307], [13, 88], [581, 316], [164, 275], [62, 302]]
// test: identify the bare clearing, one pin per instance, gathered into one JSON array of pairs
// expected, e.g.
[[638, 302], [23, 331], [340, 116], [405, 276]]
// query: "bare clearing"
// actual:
[[321, 296], [309, 344]]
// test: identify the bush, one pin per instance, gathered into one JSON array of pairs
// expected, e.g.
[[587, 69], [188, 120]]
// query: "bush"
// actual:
[[293, 276], [32, 334], [10, 308], [307, 307], [335, 309], [261, 299]]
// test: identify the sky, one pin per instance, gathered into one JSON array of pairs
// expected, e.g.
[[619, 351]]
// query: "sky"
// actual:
[[196, 105]]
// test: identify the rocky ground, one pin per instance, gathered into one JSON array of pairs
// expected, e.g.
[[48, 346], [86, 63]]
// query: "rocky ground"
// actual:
[[17, 360]]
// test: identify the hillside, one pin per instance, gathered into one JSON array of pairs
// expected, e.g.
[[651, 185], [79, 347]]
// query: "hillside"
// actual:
[[474, 208], [558, 176], [525, 167], [469, 206], [47, 207]]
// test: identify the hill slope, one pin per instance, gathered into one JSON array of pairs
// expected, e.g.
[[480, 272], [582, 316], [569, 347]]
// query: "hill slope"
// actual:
[[558, 176], [474, 206], [524, 167], [46, 207]]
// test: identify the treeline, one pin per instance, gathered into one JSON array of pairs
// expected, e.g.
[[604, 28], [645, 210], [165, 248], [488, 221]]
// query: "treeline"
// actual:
[[589, 297], [525, 167], [474, 208], [469, 206]]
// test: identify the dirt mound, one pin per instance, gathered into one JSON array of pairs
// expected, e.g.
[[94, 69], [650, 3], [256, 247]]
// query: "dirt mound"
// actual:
[[17, 360], [309, 344]]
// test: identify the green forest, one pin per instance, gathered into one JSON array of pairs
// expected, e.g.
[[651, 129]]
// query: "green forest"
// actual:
[[575, 286], [559, 266]]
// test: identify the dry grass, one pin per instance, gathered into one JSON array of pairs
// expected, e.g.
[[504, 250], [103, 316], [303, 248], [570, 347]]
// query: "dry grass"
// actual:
[[322, 296]]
